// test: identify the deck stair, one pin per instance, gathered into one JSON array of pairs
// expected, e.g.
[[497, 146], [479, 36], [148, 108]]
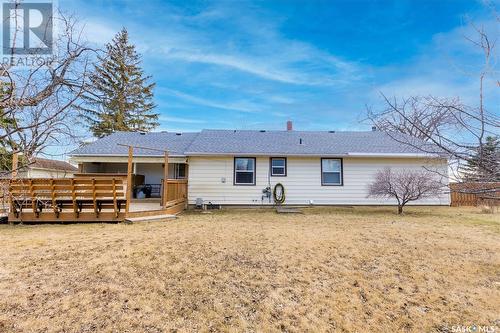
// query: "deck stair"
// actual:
[[151, 218], [288, 210]]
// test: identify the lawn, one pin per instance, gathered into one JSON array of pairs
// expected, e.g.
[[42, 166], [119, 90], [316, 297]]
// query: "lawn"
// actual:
[[337, 269]]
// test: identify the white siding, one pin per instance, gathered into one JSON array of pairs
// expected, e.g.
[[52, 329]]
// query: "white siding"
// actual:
[[47, 173], [153, 173], [302, 183]]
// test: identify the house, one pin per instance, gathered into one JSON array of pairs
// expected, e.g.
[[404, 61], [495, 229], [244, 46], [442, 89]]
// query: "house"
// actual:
[[234, 167], [46, 168]]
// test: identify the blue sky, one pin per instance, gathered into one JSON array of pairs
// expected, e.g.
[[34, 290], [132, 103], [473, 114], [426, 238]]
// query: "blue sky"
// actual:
[[239, 64]]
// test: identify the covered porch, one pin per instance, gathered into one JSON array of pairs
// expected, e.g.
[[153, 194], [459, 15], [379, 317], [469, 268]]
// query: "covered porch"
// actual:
[[148, 192], [147, 176]]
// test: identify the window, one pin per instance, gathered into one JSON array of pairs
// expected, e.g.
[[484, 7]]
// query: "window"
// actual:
[[278, 166], [176, 170], [244, 171], [180, 171], [331, 171]]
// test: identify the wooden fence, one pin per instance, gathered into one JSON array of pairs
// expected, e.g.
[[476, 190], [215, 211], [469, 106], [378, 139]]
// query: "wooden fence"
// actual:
[[475, 194], [4, 196]]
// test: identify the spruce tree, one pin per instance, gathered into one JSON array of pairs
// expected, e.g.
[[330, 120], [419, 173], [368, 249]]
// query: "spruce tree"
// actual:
[[119, 96], [487, 168]]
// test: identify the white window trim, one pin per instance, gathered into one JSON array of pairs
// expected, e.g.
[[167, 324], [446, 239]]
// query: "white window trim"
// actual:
[[246, 171], [284, 167], [323, 183]]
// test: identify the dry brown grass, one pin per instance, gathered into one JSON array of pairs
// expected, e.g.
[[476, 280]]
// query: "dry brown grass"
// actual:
[[339, 269]]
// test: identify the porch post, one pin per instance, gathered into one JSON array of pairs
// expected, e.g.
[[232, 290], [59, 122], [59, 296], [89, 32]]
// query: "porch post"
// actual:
[[15, 163], [165, 182], [129, 179], [187, 194]]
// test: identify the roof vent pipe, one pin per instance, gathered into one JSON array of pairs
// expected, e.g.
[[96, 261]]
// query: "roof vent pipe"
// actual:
[[300, 141], [289, 125]]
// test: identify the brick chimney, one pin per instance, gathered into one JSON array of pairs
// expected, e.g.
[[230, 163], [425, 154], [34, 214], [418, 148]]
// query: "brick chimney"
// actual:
[[289, 125]]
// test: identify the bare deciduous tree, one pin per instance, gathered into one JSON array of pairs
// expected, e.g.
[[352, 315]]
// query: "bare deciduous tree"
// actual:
[[447, 124], [37, 101], [417, 116], [404, 186]]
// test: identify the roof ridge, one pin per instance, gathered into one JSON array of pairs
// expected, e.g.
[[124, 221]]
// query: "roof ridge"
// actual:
[[191, 143], [285, 131]]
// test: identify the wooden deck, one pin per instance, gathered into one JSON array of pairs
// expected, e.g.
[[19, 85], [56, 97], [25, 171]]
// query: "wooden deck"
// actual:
[[103, 198], [145, 207]]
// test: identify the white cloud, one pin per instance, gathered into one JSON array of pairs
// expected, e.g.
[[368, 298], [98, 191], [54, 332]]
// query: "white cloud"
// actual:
[[99, 33], [281, 99], [252, 66], [247, 44], [242, 106], [243, 63], [448, 67], [276, 67], [181, 120]]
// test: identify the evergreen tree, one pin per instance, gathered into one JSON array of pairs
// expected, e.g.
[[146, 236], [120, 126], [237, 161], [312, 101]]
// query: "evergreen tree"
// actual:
[[489, 169], [119, 96], [7, 124]]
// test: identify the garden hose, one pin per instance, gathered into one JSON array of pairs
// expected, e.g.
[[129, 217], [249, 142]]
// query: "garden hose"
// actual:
[[279, 194]]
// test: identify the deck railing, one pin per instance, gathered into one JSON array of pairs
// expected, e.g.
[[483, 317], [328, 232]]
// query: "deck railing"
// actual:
[[68, 199], [176, 192]]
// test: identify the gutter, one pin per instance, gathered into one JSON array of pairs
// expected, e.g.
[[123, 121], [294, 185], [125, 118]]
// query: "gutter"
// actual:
[[400, 155], [57, 170], [188, 154], [422, 155], [122, 155]]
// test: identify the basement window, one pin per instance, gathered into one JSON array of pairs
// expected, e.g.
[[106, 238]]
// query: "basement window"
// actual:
[[244, 171], [278, 166], [331, 172]]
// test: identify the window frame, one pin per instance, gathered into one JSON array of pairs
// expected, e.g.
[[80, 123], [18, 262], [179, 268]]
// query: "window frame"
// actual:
[[341, 171], [254, 171], [177, 169], [271, 166]]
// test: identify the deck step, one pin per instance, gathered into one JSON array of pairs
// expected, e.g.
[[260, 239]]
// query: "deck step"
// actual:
[[150, 218], [288, 210]]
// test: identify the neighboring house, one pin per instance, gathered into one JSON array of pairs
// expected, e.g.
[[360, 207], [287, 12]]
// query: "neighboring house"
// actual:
[[45, 168], [233, 167]]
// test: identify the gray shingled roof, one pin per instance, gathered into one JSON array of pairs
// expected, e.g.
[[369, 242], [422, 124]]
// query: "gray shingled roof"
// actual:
[[289, 143], [45, 163], [233, 142], [173, 142]]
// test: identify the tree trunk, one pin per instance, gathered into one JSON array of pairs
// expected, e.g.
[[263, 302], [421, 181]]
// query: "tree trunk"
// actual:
[[400, 209]]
